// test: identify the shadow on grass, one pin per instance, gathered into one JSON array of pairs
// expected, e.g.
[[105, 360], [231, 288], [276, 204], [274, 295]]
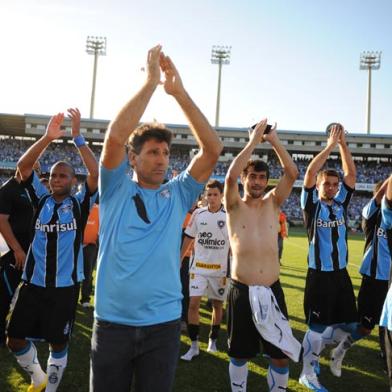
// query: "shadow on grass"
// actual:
[[362, 368]]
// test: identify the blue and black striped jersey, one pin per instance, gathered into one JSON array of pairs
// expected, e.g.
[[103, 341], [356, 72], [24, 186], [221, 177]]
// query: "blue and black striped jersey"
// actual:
[[326, 226], [55, 257], [376, 224]]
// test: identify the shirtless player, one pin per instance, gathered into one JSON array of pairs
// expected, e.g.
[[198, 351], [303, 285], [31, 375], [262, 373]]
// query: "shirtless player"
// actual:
[[255, 289]]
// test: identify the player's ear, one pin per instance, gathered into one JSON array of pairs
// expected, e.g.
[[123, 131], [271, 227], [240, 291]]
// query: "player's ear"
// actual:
[[132, 158]]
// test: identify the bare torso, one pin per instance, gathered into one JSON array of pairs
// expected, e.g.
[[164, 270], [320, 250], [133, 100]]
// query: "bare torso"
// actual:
[[253, 230]]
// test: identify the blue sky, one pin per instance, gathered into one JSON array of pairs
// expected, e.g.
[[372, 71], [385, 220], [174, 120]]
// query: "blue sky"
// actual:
[[295, 62]]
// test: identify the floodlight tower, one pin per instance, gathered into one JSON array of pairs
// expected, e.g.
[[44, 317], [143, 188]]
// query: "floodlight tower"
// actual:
[[369, 61], [97, 47], [219, 55]]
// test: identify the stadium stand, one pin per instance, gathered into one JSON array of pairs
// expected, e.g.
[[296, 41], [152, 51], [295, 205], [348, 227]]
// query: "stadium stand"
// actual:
[[372, 153]]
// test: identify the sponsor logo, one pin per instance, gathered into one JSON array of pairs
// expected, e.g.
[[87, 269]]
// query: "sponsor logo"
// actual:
[[330, 224], [317, 314], [56, 227], [203, 223], [381, 233], [194, 287], [205, 239], [207, 266], [368, 319], [221, 291]]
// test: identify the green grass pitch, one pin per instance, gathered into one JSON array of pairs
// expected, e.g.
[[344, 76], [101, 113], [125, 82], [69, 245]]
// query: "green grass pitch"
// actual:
[[363, 369]]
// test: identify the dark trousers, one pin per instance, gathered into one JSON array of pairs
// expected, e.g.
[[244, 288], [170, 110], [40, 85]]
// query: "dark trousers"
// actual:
[[90, 253], [388, 352], [9, 281], [120, 353], [185, 288]]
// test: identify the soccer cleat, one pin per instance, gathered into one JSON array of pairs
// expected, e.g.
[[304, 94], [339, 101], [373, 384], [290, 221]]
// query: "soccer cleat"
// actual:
[[335, 364], [311, 382], [212, 346], [192, 352], [38, 388]]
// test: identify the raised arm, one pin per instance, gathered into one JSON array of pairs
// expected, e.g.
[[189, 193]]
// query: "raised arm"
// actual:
[[290, 171], [388, 193], [379, 194], [231, 193], [349, 170], [129, 116], [318, 161], [28, 159], [85, 152], [204, 162]]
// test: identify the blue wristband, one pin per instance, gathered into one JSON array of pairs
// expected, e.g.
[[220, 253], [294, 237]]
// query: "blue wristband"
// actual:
[[79, 141]]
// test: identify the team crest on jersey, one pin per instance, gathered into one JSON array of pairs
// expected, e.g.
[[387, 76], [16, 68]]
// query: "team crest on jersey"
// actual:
[[221, 224], [264, 311], [165, 194], [66, 208]]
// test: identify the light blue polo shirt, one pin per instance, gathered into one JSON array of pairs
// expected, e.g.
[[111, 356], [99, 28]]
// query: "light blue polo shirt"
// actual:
[[386, 315], [138, 274]]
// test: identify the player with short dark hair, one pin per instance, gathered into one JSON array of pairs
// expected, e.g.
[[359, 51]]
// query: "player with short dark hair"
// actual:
[[257, 308], [46, 302], [329, 295], [207, 230]]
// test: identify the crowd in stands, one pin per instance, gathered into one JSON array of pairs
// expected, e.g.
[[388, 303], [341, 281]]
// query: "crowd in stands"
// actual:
[[367, 172]]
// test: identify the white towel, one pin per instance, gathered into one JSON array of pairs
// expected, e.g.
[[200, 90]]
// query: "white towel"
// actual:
[[271, 323]]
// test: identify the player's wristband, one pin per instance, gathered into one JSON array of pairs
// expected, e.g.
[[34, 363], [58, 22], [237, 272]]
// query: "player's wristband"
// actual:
[[79, 141]]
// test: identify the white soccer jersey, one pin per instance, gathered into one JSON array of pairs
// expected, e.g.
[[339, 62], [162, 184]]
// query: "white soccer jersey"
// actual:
[[211, 249]]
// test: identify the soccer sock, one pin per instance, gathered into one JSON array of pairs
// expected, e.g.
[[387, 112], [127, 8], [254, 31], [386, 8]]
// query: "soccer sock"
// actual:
[[311, 350], [349, 340], [333, 334], [214, 332], [193, 332], [57, 362], [277, 378], [238, 370], [28, 360]]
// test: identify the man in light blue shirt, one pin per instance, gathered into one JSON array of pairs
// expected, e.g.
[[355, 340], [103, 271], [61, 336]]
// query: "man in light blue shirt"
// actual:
[[386, 315], [138, 289]]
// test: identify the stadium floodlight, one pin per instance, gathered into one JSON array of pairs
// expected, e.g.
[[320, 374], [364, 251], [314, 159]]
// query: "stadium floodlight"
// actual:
[[219, 55], [97, 47], [370, 61]]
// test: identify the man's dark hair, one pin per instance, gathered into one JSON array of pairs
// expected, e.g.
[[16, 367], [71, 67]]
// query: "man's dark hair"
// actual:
[[215, 184], [258, 166], [377, 186], [65, 163], [327, 173], [146, 132]]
